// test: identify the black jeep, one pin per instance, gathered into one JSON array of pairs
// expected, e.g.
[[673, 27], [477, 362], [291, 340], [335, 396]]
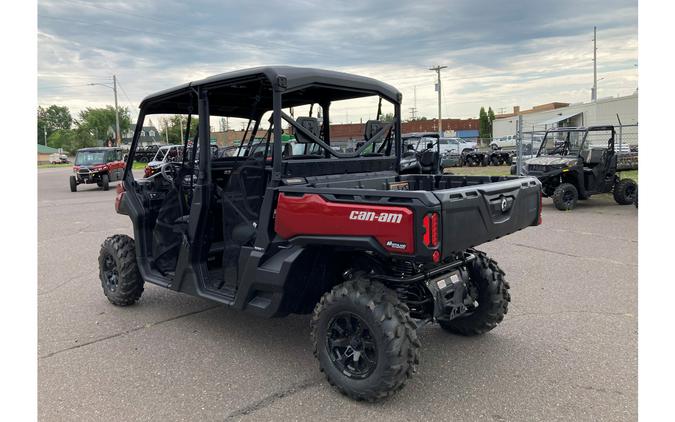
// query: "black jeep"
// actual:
[[370, 253], [574, 163]]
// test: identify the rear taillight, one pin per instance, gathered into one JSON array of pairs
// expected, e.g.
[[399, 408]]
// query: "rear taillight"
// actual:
[[430, 225]]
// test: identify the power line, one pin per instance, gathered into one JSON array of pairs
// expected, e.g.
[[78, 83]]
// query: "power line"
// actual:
[[61, 86], [129, 102], [62, 75]]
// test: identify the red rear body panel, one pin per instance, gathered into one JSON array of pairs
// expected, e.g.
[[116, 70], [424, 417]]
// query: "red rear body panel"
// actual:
[[310, 214]]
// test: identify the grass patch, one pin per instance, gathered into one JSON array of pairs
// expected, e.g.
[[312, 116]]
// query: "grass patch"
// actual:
[[49, 166], [629, 174], [504, 171], [135, 166], [481, 171]]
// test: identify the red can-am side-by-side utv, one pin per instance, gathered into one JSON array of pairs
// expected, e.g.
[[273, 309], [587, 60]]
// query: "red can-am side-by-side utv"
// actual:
[[371, 253], [98, 165]]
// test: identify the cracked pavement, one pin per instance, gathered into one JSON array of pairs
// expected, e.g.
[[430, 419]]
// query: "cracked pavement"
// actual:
[[567, 350]]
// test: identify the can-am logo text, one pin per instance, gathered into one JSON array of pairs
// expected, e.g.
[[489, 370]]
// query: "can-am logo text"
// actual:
[[382, 217]]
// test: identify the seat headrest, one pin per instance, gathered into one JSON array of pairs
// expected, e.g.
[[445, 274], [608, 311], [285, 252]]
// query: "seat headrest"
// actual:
[[428, 158], [372, 127], [309, 123]]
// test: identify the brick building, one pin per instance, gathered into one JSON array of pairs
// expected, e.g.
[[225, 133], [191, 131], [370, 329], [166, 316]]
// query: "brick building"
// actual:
[[344, 132]]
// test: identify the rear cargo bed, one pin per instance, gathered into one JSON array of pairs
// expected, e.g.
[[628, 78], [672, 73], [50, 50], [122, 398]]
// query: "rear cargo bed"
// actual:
[[473, 209]]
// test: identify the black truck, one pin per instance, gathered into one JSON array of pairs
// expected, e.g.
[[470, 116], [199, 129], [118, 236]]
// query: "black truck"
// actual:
[[370, 253]]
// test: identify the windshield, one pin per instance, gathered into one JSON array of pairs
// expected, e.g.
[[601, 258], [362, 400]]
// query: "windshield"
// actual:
[[160, 155], [86, 158], [172, 153], [563, 143]]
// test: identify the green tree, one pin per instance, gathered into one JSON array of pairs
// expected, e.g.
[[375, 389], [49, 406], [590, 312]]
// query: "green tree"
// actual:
[[491, 119], [63, 138], [172, 125], [51, 119], [389, 117], [483, 124], [97, 122]]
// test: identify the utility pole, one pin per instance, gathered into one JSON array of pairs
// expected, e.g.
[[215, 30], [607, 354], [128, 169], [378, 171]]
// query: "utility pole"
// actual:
[[45, 131], [118, 139], [438, 89], [594, 93], [180, 122]]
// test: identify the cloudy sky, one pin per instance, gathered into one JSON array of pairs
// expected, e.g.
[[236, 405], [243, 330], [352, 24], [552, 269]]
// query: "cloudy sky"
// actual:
[[498, 53]]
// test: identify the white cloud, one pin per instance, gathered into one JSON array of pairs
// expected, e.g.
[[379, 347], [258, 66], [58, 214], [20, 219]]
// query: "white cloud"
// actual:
[[524, 54]]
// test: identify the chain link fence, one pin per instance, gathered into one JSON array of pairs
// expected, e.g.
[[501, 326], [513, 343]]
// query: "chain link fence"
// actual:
[[626, 143]]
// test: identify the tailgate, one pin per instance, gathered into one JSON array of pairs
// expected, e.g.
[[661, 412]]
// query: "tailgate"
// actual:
[[476, 214]]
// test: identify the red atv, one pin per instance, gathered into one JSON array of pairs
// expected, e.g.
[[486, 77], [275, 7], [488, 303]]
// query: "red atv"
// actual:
[[370, 253], [97, 165]]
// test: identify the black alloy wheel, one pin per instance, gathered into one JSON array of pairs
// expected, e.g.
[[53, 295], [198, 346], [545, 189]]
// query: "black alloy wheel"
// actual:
[[351, 345], [110, 275]]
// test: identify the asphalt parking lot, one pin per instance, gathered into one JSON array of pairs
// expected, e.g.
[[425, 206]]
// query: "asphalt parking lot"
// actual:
[[567, 350]]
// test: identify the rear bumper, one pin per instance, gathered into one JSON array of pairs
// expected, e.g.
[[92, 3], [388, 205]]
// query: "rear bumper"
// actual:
[[430, 274]]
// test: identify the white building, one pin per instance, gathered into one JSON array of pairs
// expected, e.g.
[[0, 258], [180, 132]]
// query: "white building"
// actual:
[[604, 111]]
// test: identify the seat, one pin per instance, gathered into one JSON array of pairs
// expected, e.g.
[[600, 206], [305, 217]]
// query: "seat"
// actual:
[[428, 161]]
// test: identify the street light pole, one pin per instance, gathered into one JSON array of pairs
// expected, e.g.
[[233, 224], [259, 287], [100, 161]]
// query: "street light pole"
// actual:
[[594, 94], [438, 88], [118, 139]]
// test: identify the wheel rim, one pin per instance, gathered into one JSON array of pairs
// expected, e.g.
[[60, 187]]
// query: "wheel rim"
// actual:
[[568, 197], [630, 193], [351, 345], [110, 273]]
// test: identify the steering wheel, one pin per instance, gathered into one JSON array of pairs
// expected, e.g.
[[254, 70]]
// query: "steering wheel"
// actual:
[[560, 149], [169, 171]]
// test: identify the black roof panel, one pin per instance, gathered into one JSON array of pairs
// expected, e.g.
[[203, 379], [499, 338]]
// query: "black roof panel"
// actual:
[[233, 91]]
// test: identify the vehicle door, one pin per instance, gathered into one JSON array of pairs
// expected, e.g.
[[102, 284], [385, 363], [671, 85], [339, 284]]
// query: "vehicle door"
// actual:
[[116, 165]]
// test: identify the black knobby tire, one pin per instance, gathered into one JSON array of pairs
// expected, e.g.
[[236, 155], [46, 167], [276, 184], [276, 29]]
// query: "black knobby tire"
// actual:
[[73, 184], [486, 161], [495, 161], [105, 182], [625, 191], [565, 197], [493, 298], [508, 160], [389, 330], [636, 198], [121, 281]]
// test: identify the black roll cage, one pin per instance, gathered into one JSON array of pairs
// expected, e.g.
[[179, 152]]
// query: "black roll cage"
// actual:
[[279, 88], [569, 130]]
